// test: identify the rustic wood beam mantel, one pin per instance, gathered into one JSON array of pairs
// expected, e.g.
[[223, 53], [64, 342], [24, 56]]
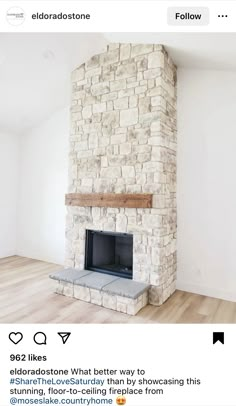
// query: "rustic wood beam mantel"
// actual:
[[137, 200]]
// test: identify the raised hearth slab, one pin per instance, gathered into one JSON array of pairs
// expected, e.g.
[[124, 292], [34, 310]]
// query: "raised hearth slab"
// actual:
[[69, 275], [109, 291]]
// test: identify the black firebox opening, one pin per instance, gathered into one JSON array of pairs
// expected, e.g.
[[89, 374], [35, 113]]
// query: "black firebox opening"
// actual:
[[109, 252]]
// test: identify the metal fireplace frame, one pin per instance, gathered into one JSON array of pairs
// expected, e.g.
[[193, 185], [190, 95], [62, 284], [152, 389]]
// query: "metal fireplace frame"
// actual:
[[88, 254]]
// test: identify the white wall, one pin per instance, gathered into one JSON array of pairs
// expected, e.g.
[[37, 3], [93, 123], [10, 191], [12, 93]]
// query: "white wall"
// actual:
[[8, 193], [43, 184], [206, 191]]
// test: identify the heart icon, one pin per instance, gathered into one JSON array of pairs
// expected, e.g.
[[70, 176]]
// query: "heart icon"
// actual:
[[15, 337]]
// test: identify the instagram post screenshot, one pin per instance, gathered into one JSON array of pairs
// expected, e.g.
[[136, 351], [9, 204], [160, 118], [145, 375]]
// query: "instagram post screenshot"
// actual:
[[117, 202]]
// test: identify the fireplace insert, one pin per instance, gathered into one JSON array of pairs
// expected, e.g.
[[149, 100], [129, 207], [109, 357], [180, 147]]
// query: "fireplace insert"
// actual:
[[109, 252]]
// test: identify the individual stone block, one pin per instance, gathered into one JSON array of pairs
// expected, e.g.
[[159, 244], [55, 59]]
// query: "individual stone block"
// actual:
[[156, 278], [128, 117], [109, 301], [110, 57], [68, 289], [158, 154], [156, 60], [148, 118], [100, 88], [113, 46], [140, 89], [124, 51], [159, 201], [133, 101], [132, 221], [111, 119], [107, 74], [123, 299], [144, 105], [151, 221], [142, 148], [84, 154], [104, 162], [96, 297], [111, 172], [82, 293], [121, 103], [126, 71], [76, 116], [102, 186], [118, 85], [133, 189], [143, 158], [142, 65], [152, 74], [95, 79], [96, 213], [88, 182], [132, 84], [134, 308], [158, 256], [130, 212], [156, 295], [158, 101], [153, 167], [168, 291], [145, 298], [125, 149], [126, 92], [93, 141], [128, 172], [141, 49], [92, 62], [80, 146], [121, 223], [58, 287], [151, 83], [118, 139], [157, 140], [121, 307], [78, 74], [109, 97], [99, 108], [93, 72]]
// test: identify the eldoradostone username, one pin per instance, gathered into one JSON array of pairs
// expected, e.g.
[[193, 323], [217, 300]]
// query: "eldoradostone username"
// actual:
[[60, 16]]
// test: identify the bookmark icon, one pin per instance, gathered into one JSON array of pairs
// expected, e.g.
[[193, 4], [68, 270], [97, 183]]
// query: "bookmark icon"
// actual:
[[218, 336]]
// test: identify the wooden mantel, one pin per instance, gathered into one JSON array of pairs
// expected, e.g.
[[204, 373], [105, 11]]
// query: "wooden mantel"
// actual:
[[137, 200]]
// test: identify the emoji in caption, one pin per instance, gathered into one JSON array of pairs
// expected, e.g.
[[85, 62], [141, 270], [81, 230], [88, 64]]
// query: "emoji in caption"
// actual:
[[120, 400]]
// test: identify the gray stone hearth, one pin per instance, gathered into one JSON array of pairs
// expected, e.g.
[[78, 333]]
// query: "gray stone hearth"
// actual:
[[109, 291], [123, 140]]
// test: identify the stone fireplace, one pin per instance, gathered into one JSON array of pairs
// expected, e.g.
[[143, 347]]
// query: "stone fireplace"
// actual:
[[122, 161]]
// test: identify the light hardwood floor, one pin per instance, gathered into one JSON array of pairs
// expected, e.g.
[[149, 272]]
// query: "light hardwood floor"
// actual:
[[26, 296]]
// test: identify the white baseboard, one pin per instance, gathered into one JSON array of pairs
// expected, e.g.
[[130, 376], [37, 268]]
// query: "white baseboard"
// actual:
[[206, 291], [7, 255]]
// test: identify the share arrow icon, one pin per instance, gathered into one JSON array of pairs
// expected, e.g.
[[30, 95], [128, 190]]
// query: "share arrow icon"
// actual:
[[64, 336]]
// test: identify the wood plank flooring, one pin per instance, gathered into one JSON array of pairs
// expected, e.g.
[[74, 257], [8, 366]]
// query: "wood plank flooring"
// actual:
[[26, 296]]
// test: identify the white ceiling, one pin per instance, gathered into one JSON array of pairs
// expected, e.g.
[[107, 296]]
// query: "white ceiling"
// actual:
[[35, 75], [35, 68]]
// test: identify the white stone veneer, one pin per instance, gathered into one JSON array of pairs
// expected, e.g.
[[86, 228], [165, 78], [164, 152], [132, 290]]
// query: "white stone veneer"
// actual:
[[123, 140]]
